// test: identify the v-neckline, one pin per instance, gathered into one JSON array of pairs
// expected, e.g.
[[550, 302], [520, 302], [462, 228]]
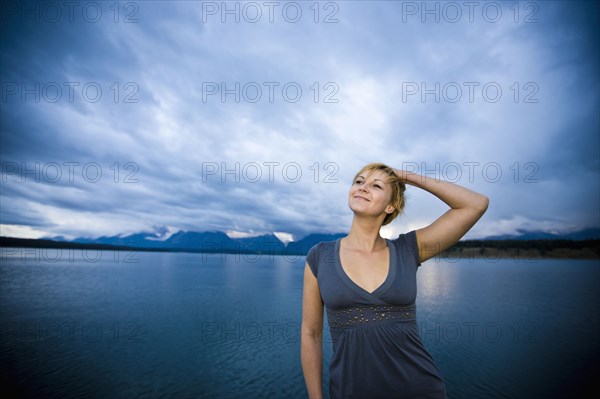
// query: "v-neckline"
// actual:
[[389, 279]]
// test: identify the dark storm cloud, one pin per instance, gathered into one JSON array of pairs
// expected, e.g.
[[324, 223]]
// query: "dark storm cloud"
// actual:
[[172, 153]]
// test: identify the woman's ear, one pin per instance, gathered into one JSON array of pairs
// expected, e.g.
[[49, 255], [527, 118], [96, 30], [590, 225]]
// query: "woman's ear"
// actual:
[[389, 210]]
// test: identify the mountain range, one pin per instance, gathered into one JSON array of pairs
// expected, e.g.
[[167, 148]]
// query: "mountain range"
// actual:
[[207, 241], [217, 241]]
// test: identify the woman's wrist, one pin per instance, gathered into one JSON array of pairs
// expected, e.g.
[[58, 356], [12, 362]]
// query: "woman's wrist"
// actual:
[[406, 177]]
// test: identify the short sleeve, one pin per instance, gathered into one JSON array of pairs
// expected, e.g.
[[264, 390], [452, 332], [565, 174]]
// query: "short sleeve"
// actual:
[[312, 258], [413, 246], [408, 247]]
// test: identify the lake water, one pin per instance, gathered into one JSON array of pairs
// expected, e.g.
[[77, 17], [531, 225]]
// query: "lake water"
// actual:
[[100, 324]]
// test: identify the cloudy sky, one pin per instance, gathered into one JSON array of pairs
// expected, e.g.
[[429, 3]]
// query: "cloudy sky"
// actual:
[[252, 117]]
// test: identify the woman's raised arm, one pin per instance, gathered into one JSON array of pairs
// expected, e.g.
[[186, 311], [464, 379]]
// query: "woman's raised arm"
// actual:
[[466, 207]]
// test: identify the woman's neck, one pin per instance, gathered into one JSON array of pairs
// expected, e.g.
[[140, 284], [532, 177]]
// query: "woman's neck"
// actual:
[[364, 235]]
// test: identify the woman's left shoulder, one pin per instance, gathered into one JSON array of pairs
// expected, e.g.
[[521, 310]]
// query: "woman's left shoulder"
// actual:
[[407, 246]]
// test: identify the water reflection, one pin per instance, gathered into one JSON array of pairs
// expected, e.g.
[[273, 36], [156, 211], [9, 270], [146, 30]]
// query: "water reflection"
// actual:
[[211, 325]]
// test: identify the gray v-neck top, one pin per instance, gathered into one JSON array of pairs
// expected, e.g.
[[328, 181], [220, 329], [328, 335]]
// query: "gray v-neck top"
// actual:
[[377, 349]]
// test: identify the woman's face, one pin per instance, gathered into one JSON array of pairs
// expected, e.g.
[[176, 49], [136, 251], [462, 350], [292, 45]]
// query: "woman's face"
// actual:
[[370, 195]]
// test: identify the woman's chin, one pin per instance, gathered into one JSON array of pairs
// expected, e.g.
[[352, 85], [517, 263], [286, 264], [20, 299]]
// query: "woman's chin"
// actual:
[[364, 213]]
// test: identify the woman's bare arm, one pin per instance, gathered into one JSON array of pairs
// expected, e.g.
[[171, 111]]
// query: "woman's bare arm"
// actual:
[[466, 208], [311, 335]]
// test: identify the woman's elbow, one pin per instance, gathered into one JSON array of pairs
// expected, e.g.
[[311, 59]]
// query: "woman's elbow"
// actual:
[[312, 332], [482, 204]]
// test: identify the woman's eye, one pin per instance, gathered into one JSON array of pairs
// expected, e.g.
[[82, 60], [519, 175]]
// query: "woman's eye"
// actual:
[[377, 186]]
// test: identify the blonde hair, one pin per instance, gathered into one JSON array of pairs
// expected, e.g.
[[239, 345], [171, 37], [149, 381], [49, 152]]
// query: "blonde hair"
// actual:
[[398, 188]]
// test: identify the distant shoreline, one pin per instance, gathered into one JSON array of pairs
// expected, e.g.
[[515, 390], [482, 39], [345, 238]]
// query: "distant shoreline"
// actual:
[[469, 249], [521, 253]]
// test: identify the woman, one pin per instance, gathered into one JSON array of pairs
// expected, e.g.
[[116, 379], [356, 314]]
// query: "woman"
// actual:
[[367, 285]]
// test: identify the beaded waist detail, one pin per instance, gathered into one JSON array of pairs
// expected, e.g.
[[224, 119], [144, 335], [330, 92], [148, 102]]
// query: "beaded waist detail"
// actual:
[[369, 314]]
